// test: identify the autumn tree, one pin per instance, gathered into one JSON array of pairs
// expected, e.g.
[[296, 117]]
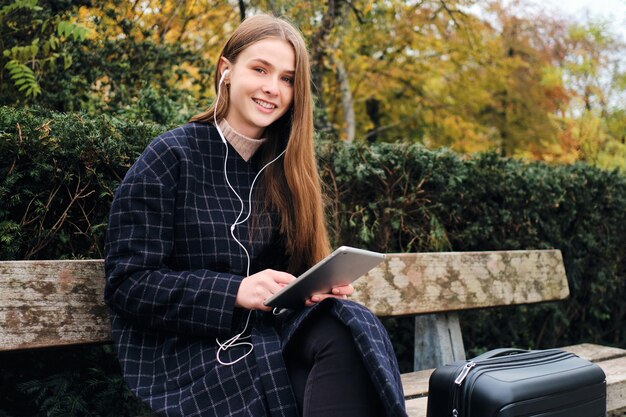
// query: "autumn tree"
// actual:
[[464, 74], [596, 75]]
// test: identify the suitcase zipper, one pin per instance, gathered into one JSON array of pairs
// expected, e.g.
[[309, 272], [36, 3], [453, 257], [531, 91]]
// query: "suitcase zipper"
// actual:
[[458, 382], [468, 366], [495, 363]]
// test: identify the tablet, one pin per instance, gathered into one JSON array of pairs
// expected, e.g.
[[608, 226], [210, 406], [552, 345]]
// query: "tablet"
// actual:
[[341, 267]]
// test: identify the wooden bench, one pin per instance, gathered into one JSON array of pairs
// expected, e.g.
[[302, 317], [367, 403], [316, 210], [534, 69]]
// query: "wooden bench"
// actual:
[[56, 303]]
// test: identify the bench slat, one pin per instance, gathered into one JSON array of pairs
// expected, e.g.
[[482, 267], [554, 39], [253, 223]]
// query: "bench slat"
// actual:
[[416, 407], [415, 384], [52, 303], [595, 353], [451, 281], [615, 370], [48, 303]]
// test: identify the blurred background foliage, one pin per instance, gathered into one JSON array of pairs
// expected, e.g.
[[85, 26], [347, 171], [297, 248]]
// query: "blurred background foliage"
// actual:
[[471, 76], [464, 125]]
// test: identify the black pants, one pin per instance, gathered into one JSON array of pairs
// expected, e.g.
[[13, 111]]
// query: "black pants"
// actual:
[[327, 374]]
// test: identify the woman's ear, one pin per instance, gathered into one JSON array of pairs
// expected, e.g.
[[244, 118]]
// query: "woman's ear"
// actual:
[[224, 67]]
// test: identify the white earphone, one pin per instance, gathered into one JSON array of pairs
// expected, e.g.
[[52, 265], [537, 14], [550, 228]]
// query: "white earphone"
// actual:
[[235, 340], [224, 74]]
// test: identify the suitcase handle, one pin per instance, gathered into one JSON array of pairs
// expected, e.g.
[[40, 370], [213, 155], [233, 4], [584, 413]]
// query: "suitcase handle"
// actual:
[[496, 353]]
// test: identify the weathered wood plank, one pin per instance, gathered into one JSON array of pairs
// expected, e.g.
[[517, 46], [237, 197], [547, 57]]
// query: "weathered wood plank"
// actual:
[[47, 303], [615, 370], [438, 340], [420, 283], [595, 353], [416, 407], [415, 384], [52, 303]]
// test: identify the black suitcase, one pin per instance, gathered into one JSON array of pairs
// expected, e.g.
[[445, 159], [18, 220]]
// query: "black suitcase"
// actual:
[[516, 383]]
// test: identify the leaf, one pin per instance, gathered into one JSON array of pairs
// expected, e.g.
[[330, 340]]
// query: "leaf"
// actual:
[[19, 4], [24, 78], [67, 61], [68, 29]]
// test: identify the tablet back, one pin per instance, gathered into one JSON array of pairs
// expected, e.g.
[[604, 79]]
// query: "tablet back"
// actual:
[[341, 267]]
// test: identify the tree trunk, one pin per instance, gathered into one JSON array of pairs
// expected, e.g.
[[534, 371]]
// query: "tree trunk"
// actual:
[[319, 47], [346, 100]]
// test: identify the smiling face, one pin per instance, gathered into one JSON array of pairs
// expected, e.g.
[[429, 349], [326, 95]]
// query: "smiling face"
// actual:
[[261, 85]]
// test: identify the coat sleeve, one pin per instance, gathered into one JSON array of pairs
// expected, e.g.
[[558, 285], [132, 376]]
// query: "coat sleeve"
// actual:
[[140, 288]]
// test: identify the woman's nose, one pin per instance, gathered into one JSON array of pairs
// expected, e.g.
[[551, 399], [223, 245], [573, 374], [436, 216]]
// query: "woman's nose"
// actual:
[[271, 86]]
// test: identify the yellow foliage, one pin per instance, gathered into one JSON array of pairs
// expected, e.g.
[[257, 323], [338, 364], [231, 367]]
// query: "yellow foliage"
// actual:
[[417, 71]]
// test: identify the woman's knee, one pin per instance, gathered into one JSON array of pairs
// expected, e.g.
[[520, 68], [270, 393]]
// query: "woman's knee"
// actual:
[[324, 335]]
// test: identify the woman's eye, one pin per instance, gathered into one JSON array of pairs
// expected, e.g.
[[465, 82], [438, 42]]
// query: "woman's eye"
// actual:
[[260, 70], [288, 80]]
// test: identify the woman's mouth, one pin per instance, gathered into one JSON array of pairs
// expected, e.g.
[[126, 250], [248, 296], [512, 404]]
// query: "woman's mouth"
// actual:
[[264, 104]]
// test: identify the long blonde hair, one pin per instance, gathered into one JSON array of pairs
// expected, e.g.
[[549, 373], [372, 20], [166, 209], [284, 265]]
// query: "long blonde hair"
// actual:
[[294, 188]]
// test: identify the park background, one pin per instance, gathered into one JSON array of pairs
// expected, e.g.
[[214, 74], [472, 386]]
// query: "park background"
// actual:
[[442, 125]]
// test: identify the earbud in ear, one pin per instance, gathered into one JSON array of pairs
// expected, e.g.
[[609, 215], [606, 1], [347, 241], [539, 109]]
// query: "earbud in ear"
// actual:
[[224, 75]]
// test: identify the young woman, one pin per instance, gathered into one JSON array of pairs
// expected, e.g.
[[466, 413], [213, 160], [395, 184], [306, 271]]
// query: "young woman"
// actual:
[[212, 219]]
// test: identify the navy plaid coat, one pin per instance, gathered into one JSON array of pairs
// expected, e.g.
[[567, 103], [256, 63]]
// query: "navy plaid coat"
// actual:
[[172, 275]]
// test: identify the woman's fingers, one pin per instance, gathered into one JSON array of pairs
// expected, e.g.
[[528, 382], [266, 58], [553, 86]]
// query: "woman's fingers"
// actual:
[[280, 276], [274, 281], [341, 292], [257, 288], [319, 297]]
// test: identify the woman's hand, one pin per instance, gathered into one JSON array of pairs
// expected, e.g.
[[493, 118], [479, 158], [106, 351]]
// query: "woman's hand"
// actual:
[[259, 287], [341, 292]]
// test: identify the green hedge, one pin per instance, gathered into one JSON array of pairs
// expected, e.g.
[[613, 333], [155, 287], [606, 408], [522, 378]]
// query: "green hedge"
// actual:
[[58, 173]]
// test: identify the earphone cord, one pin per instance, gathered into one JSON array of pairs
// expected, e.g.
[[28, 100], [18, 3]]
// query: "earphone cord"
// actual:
[[235, 340]]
